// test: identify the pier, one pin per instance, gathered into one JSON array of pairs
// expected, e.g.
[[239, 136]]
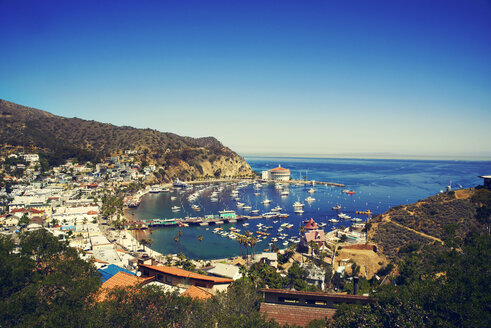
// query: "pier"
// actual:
[[307, 182]]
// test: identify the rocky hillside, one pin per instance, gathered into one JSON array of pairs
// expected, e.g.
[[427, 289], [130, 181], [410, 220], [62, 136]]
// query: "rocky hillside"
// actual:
[[183, 157], [431, 221]]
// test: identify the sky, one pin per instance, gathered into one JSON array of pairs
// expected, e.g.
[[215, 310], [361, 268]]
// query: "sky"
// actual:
[[328, 78]]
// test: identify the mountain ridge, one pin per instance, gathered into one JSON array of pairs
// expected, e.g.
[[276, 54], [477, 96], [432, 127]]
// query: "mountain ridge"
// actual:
[[38, 130]]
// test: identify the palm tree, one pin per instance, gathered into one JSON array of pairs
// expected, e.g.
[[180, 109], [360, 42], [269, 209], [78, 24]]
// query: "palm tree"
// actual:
[[176, 239], [252, 242], [179, 233], [200, 238]]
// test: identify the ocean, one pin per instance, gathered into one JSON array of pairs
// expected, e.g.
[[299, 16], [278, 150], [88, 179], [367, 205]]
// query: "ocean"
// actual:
[[379, 184]]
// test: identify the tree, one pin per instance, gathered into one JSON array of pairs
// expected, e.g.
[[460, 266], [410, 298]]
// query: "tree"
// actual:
[[45, 284]]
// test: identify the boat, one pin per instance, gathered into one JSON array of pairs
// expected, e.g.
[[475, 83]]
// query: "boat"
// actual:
[[337, 207], [195, 207], [276, 209], [179, 184], [285, 243], [257, 194], [309, 199], [344, 216], [311, 190], [255, 211], [298, 211], [297, 204], [246, 224], [247, 207], [266, 201], [239, 204], [283, 215], [175, 208], [285, 193], [351, 192], [173, 198], [155, 189], [274, 239], [270, 215], [356, 220], [333, 220], [214, 199], [367, 212]]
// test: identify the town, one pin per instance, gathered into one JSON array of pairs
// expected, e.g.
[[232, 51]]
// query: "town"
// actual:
[[85, 203]]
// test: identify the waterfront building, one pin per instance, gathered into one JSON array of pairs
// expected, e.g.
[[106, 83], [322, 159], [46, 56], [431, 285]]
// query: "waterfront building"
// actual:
[[487, 180], [277, 174]]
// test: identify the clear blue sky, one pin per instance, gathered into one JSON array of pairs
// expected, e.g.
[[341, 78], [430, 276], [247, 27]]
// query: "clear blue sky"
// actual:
[[291, 77]]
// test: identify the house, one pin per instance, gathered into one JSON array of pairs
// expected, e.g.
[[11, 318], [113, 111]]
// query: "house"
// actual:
[[197, 293], [270, 259], [120, 280], [226, 271], [299, 308], [312, 234], [183, 278], [278, 174]]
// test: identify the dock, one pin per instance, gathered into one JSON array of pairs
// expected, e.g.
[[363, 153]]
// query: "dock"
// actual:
[[307, 182]]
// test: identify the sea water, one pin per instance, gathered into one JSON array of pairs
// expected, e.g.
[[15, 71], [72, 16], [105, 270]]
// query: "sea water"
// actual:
[[379, 184]]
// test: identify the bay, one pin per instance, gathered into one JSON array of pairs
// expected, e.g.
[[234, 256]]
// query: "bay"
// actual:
[[379, 184]]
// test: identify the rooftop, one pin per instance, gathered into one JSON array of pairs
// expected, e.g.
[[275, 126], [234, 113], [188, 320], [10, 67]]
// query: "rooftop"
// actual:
[[197, 293], [186, 274]]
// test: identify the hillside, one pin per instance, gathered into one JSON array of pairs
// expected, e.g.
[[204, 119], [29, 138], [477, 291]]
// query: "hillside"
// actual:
[[183, 157], [428, 221]]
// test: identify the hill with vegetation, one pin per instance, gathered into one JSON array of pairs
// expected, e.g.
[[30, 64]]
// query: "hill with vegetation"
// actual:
[[429, 221], [60, 138]]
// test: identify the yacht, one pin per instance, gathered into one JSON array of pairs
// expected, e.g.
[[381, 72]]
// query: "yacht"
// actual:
[[333, 220], [180, 184], [239, 204], [344, 216], [195, 207], [298, 211], [247, 208], [311, 191], [285, 193], [337, 207], [297, 204], [309, 199], [266, 201], [175, 208], [155, 189], [173, 198], [255, 211], [276, 209]]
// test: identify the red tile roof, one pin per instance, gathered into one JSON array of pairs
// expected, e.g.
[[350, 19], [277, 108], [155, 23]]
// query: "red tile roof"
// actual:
[[186, 274], [198, 293], [294, 314], [120, 279], [311, 225], [279, 169]]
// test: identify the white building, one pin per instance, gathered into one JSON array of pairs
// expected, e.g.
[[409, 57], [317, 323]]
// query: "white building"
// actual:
[[278, 174]]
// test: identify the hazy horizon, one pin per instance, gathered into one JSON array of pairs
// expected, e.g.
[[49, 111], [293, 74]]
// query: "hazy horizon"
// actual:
[[288, 77]]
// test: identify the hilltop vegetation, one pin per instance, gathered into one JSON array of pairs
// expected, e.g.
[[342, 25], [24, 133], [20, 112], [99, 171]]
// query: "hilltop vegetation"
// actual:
[[60, 138], [428, 221]]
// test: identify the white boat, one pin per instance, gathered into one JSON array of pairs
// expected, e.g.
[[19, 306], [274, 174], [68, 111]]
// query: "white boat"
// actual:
[[285, 193], [175, 208], [246, 224], [270, 215], [257, 194], [285, 243], [337, 207], [239, 204], [214, 199], [298, 211], [333, 220], [309, 199], [311, 191], [247, 208], [297, 204], [274, 239], [195, 207], [173, 198], [155, 189], [344, 216], [255, 211], [266, 201], [276, 209], [356, 220]]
